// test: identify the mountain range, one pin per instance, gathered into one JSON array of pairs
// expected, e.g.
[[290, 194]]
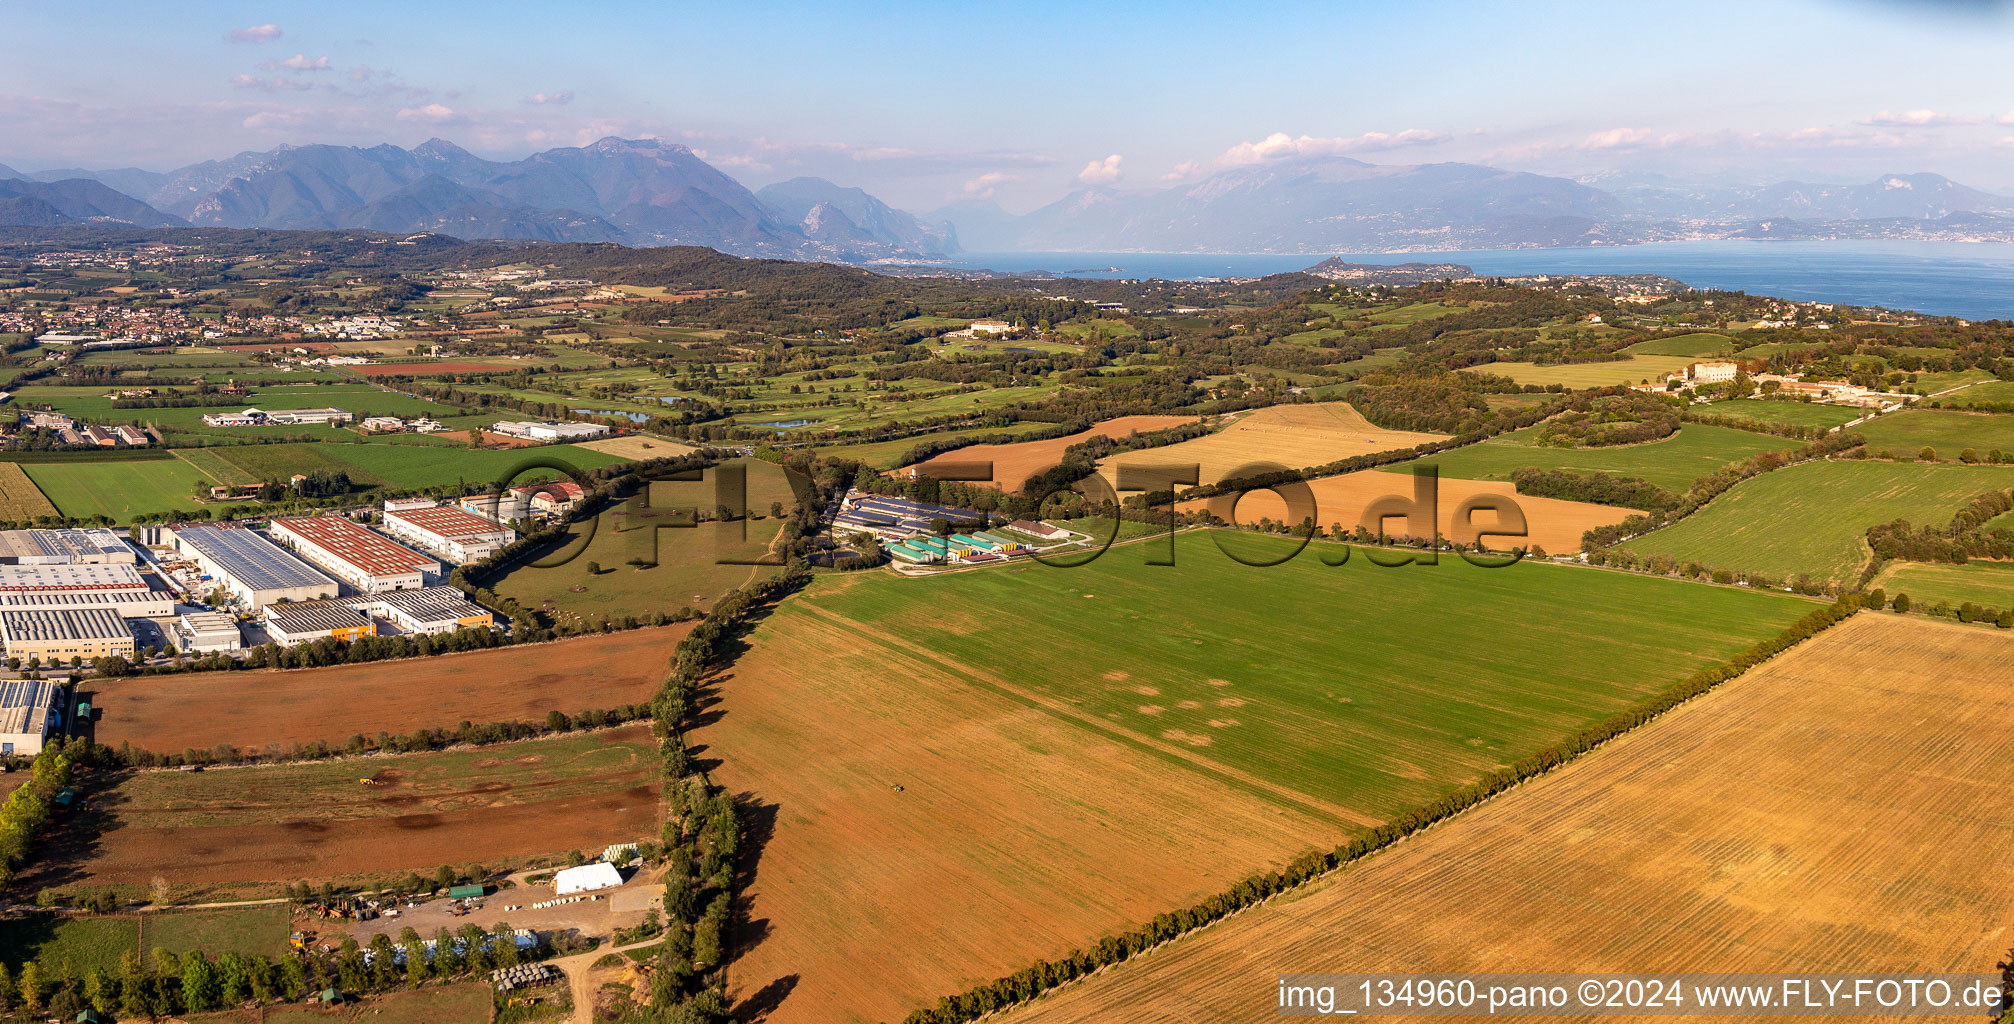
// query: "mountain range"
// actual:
[[637, 192], [650, 193]]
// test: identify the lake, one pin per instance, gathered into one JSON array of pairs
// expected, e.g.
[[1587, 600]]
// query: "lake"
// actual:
[[1974, 280]]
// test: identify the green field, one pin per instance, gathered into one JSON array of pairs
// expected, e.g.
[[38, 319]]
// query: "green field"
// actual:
[[121, 490], [1634, 370], [91, 405], [84, 942], [1813, 518], [1368, 687], [883, 454], [1987, 583], [1673, 463], [1990, 391], [1690, 345], [258, 930], [1949, 432], [1800, 414], [695, 565]]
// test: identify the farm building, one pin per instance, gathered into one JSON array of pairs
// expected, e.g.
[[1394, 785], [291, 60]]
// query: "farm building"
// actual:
[[252, 568], [298, 623], [449, 532], [27, 713], [915, 552], [586, 878], [64, 547], [549, 430], [69, 578], [1039, 531], [59, 636], [129, 603], [428, 610], [355, 554], [551, 498], [208, 632]]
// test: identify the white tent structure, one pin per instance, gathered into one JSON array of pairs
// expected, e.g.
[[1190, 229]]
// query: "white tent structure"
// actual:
[[586, 878]]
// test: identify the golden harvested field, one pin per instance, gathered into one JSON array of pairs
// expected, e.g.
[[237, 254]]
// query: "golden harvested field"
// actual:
[[637, 447], [1551, 524], [1293, 436], [19, 497], [1007, 832], [1014, 463], [1842, 808]]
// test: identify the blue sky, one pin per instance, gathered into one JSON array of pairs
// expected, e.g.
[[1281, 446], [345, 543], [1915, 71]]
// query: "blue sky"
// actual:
[[926, 104]]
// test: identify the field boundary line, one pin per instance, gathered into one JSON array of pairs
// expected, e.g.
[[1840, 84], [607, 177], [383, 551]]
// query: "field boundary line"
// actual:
[[1050, 704]]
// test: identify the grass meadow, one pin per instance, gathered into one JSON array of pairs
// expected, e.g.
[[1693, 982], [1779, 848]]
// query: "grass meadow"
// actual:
[[1799, 414], [1672, 463], [1813, 518], [1947, 431]]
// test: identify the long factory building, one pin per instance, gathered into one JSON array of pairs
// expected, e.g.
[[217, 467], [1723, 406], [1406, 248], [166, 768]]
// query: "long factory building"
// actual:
[[253, 569], [430, 610], [451, 533], [65, 547], [27, 714], [59, 636], [355, 554]]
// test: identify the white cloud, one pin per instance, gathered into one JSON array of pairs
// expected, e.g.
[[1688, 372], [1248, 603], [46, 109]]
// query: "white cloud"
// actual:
[[266, 119], [1914, 119], [433, 112], [558, 99], [1181, 170], [984, 185], [1618, 138], [267, 84], [298, 62], [253, 34], [1281, 146], [1102, 172]]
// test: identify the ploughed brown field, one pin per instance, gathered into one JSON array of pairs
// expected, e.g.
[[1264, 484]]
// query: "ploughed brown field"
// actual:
[[423, 369], [1842, 808], [916, 833], [1285, 436], [229, 830], [1550, 523], [269, 711], [1014, 463]]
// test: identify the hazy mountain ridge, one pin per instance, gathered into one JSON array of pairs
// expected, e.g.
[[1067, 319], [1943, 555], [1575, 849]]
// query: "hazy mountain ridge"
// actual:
[[652, 193], [638, 192]]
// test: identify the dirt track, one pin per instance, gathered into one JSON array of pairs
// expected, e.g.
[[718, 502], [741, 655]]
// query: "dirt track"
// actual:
[[264, 710]]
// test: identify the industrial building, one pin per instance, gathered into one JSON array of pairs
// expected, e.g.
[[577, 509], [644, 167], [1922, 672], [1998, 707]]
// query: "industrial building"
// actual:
[[27, 713], [449, 532], [129, 603], [291, 624], [64, 547], [354, 554], [408, 504], [432, 610], [208, 633], [59, 636], [57, 578], [253, 569], [549, 430]]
